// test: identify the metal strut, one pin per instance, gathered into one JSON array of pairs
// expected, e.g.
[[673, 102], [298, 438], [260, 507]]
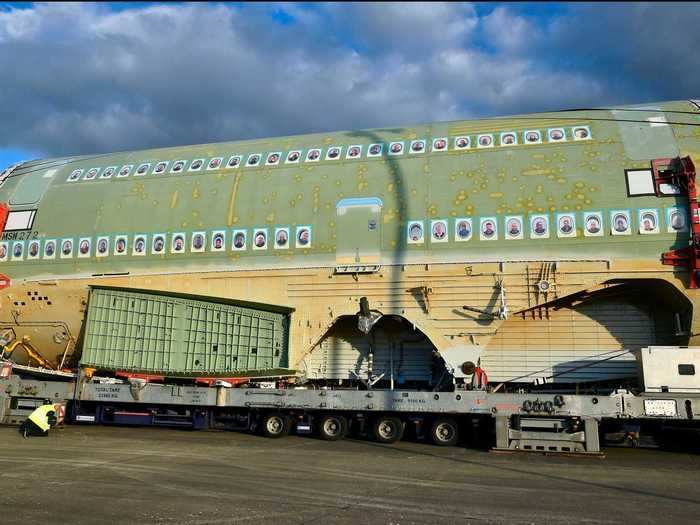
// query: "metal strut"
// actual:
[[680, 173]]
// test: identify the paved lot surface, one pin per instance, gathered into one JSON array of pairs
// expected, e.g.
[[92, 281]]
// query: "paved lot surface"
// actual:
[[122, 475]]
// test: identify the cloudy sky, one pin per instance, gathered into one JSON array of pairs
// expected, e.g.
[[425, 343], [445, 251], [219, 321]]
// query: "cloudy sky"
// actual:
[[86, 78]]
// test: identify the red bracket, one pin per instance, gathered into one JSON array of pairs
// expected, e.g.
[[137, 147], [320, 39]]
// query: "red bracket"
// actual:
[[4, 213], [680, 172]]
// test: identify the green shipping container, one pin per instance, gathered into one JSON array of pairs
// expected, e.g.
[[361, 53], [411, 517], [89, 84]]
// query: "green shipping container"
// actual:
[[171, 334]]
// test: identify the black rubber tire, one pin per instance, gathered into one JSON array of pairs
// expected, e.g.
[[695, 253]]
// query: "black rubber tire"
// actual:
[[332, 428], [387, 429], [274, 425], [444, 432]]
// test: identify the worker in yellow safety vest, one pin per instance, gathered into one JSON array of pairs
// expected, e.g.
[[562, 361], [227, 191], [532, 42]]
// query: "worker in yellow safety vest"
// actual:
[[40, 421]]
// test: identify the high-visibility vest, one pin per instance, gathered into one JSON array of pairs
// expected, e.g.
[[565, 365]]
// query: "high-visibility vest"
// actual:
[[40, 416]]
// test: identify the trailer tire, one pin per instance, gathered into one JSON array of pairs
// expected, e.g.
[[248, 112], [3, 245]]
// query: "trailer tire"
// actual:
[[274, 425], [444, 432], [387, 429], [332, 427]]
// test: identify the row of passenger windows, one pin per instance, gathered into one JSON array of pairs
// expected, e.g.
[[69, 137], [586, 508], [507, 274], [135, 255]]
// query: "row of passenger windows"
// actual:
[[156, 244], [514, 227], [440, 144], [539, 225]]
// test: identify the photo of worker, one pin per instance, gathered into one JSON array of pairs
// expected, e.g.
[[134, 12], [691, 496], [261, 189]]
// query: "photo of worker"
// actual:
[[509, 138], [74, 176], [293, 157], [313, 155], [121, 245], [3, 251], [218, 241], [281, 238], [462, 142], [66, 248], [142, 169], [417, 146], [197, 242], [566, 225], [253, 160], [177, 243], [260, 239], [215, 163], [239, 240], [539, 227], [303, 237], [354, 152], [648, 221], [178, 166], [196, 165], [488, 229], [17, 250], [108, 172], [440, 144], [581, 133], [158, 244], [102, 249], [620, 222], [396, 148], [234, 161], [50, 249], [463, 229], [375, 150], [677, 219], [532, 136], [484, 141], [139, 245], [333, 153], [514, 228], [160, 168], [92, 173], [273, 159], [556, 135], [414, 232], [593, 224], [33, 250], [438, 231], [125, 171], [84, 247]]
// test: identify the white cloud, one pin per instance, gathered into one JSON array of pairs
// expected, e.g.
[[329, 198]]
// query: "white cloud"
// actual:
[[81, 78]]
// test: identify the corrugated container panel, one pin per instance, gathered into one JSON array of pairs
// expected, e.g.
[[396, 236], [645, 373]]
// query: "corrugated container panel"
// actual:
[[167, 334]]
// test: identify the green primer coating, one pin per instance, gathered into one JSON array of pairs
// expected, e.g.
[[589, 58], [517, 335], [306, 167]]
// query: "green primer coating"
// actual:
[[517, 180], [173, 335]]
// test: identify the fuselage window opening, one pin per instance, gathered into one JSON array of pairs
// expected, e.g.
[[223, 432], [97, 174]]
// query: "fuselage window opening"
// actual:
[[20, 220]]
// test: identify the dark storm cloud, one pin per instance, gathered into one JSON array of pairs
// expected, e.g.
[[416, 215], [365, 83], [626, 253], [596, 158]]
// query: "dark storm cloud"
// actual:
[[83, 78]]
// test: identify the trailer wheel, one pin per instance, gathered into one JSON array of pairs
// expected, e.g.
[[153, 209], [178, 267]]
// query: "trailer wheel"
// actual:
[[387, 429], [444, 432], [275, 425], [332, 428]]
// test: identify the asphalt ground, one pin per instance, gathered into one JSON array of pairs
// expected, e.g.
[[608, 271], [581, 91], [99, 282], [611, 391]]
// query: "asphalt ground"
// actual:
[[108, 475]]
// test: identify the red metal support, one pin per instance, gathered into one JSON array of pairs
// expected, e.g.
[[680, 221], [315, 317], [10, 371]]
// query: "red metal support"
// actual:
[[4, 213], [680, 173]]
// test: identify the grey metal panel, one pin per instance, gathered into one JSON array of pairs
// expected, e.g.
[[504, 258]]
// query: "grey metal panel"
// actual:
[[337, 357], [568, 365]]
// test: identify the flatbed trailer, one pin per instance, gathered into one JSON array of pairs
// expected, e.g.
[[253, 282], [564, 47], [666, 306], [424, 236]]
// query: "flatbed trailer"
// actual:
[[545, 422]]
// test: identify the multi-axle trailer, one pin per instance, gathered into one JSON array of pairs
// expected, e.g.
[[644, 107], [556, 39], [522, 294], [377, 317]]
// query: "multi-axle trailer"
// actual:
[[549, 422]]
